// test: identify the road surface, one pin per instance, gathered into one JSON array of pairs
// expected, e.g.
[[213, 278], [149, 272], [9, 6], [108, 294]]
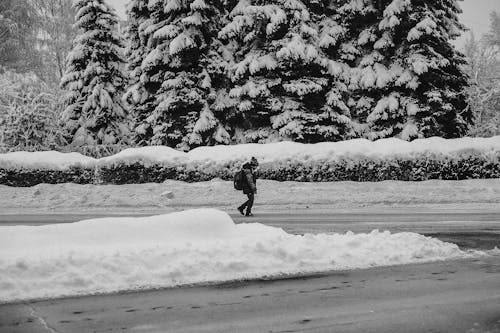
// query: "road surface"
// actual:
[[452, 296], [476, 229], [360, 220], [457, 296]]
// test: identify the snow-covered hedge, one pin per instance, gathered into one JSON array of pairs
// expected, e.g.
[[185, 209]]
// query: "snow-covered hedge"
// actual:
[[357, 160]]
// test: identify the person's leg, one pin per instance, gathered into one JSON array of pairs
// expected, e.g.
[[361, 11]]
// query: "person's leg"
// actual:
[[249, 203], [242, 207]]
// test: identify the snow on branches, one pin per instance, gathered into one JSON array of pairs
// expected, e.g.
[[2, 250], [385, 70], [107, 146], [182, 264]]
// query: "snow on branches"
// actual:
[[223, 71], [400, 56], [94, 78], [177, 83]]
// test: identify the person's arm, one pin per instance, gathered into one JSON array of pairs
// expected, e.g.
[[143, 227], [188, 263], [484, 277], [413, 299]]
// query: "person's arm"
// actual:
[[249, 176]]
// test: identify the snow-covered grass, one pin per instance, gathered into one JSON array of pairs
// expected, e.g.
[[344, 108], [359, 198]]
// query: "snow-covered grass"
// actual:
[[174, 195], [190, 247], [217, 156]]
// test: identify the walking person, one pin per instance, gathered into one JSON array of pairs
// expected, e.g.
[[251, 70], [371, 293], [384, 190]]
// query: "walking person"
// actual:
[[249, 184]]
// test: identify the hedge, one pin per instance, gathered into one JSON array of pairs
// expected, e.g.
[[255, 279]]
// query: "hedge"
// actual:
[[473, 165]]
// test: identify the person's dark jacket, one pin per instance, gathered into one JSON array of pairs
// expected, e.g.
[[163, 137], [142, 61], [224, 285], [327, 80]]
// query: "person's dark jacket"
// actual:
[[249, 179]]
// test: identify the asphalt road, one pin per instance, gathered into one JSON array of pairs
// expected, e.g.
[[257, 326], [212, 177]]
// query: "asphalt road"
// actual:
[[476, 229], [409, 219], [456, 296], [452, 296]]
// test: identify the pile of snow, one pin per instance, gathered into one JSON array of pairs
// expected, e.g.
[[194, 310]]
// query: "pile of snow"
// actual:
[[265, 153], [51, 160], [197, 246], [298, 152], [146, 155], [173, 195]]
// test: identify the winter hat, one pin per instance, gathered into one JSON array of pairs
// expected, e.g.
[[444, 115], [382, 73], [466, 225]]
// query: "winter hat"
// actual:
[[253, 162]]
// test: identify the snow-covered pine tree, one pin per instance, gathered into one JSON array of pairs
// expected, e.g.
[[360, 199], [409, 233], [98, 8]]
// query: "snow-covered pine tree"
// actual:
[[180, 52], [406, 76], [212, 126], [437, 102], [136, 96], [282, 75], [94, 78], [340, 25], [352, 34]]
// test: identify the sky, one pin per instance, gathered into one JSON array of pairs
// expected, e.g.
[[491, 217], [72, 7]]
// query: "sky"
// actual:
[[475, 14]]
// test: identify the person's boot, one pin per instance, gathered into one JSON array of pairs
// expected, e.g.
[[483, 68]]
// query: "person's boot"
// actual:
[[249, 214], [240, 209]]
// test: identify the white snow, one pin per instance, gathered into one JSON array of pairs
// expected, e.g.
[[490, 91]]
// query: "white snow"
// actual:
[[180, 43], [265, 153], [190, 247], [174, 195], [150, 154], [43, 160]]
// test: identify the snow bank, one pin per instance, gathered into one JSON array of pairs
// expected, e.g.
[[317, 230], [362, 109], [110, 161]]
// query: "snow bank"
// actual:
[[266, 153], [173, 195], [146, 155], [283, 151], [197, 246], [52, 160]]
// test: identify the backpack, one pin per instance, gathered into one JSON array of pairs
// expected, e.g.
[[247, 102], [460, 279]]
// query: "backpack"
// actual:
[[238, 180]]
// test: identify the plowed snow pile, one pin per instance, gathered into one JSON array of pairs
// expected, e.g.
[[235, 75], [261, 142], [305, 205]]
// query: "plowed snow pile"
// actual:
[[196, 246]]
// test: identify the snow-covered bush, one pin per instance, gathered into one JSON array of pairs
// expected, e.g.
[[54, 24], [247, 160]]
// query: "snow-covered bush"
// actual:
[[27, 177], [30, 113], [419, 168], [355, 160]]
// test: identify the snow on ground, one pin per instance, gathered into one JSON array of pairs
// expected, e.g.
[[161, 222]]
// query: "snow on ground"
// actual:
[[44, 160], [176, 195], [190, 247], [265, 153]]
